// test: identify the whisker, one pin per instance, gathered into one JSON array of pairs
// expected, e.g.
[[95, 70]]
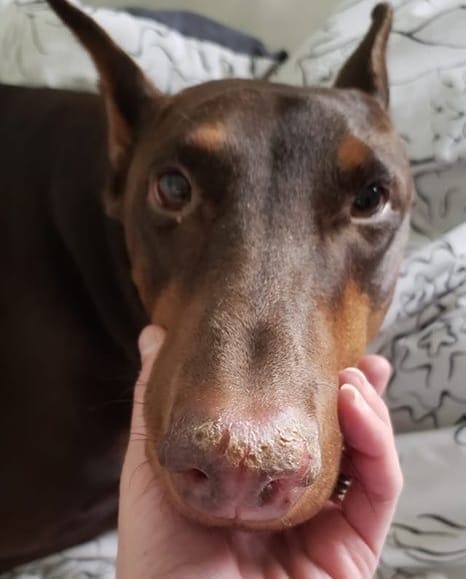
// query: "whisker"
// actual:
[[116, 402], [141, 465], [142, 434], [152, 481], [325, 383]]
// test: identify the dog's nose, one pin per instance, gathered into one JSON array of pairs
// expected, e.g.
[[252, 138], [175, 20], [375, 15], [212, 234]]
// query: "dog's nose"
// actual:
[[245, 471], [240, 494]]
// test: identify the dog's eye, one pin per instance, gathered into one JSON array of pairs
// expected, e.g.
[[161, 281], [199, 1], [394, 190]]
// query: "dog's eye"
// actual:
[[369, 201], [173, 191]]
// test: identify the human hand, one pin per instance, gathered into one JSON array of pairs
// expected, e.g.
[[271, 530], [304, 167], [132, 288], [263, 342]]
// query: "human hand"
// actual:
[[343, 541]]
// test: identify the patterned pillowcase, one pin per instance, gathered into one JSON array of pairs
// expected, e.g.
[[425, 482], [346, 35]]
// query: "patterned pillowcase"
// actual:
[[38, 50], [427, 69], [424, 334]]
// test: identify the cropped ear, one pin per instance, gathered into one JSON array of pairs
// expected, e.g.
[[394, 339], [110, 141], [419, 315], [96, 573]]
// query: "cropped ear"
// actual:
[[129, 96], [366, 68]]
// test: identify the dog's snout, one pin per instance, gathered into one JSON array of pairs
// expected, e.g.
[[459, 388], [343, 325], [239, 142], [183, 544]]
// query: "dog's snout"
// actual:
[[246, 471], [240, 493]]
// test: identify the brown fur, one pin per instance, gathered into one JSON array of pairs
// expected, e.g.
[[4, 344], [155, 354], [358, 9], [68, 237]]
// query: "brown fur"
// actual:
[[264, 282]]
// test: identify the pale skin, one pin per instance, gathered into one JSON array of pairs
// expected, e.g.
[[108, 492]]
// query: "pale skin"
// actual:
[[344, 540]]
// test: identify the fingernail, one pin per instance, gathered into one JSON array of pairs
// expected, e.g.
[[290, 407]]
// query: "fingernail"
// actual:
[[358, 376], [353, 394], [150, 338]]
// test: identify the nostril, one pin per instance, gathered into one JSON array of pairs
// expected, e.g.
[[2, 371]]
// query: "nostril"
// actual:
[[195, 476], [284, 490], [269, 492]]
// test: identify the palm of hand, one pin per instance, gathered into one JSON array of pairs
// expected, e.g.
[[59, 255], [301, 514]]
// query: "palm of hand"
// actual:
[[327, 546], [343, 541]]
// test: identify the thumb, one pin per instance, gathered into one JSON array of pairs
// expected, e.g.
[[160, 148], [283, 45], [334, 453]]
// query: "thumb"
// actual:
[[150, 342]]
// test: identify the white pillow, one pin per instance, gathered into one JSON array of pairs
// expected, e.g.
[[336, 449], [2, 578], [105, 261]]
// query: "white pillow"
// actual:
[[427, 71], [38, 50]]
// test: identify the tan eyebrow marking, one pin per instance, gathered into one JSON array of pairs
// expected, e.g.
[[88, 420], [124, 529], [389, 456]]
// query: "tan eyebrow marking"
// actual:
[[210, 136], [352, 153]]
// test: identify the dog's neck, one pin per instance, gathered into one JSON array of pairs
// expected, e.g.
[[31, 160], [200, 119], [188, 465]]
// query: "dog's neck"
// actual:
[[94, 241], [123, 310]]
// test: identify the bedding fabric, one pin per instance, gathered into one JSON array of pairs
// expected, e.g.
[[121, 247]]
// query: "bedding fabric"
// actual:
[[38, 50], [194, 25], [424, 334]]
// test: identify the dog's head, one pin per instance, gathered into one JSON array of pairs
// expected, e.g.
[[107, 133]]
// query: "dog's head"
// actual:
[[265, 225]]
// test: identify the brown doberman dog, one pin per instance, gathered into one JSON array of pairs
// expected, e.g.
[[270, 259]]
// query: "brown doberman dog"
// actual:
[[261, 224]]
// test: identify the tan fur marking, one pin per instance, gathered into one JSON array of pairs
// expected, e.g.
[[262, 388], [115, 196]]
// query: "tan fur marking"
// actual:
[[138, 277], [209, 136], [352, 153], [120, 134], [351, 318], [167, 306]]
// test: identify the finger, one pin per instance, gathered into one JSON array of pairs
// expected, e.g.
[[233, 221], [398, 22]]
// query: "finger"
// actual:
[[150, 342], [356, 377], [377, 370], [370, 448]]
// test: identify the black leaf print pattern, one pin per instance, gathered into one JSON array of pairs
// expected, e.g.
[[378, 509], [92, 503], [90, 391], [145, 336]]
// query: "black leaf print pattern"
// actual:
[[32, 39]]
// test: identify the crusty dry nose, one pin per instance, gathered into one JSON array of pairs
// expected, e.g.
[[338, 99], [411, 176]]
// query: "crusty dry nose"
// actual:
[[247, 470]]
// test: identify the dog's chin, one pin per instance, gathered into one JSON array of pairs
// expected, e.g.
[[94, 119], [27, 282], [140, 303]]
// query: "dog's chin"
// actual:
[[241, 521]]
